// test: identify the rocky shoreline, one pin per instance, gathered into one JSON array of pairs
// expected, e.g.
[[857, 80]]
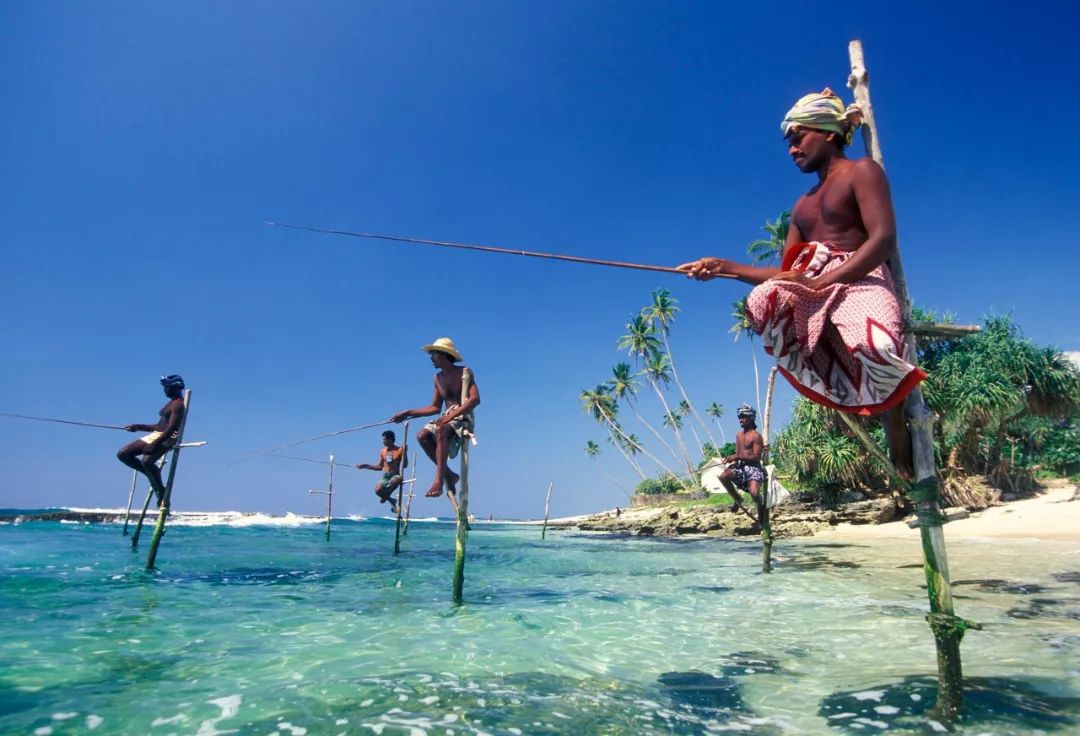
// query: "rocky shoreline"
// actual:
[[790, 520]]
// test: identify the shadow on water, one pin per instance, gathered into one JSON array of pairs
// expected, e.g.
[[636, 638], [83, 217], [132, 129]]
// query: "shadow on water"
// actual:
[[988, 702], [813, 561], [1046, 608], [995, 585], [1072, 576]]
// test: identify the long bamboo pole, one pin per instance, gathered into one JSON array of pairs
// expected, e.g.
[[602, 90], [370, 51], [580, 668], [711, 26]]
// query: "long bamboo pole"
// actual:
[[462, 536], [310, 439], [166, 502], [764, 512], [547, 510], [63, 421], [948, 629], [131, 497], [329, 493], [401, 488], [489, 249]]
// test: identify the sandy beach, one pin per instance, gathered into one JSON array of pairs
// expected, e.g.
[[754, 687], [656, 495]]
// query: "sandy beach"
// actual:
[[1053, 515]]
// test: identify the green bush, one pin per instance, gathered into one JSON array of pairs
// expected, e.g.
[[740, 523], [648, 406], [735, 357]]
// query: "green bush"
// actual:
[[659, 486]]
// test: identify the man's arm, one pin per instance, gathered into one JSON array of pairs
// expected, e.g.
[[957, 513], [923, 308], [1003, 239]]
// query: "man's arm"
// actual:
[[425, 411], [368, 466]]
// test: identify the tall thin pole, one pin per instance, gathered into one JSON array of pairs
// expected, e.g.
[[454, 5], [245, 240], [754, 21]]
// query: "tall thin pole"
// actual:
[[166, 502], [330, 497], [462, 503], [408, 503], [329, 493], [948, 628], [764, 511], [401, 488], [131, 497], [547, 510]]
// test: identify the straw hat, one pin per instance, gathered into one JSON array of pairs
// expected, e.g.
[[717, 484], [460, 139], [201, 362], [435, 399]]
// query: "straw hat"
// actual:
[[444, 345]]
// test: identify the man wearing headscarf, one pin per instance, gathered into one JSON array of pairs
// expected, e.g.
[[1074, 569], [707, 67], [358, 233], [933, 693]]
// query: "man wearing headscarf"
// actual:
[[829, 314], [744, 465], [143, 453]]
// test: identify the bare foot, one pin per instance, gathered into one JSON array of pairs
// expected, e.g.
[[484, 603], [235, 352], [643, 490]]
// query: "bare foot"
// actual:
[[435, 491], [451, 480]]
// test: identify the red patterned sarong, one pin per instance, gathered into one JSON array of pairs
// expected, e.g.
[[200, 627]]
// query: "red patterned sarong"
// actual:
[[841, 346]]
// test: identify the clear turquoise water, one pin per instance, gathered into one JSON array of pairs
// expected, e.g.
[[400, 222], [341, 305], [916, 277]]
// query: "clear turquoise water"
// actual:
[[270, 629]]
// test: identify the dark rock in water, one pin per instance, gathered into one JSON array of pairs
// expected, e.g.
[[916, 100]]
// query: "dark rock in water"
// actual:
[[990, 702], [702, 690]]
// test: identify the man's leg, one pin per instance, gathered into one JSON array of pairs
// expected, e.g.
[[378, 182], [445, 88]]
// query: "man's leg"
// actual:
[[442, 444], [129, 454], [727, 479], [153, 472]]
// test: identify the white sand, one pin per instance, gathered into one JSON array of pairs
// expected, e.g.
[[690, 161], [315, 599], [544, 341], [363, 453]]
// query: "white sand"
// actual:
[[1054, 515]]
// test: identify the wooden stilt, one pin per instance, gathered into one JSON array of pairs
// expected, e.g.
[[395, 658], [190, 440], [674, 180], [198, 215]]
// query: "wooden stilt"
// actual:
[[547, 509], [764, 512], [131, 497], [166, 502], [401, 489], [948, 628], [408, 503], [462, 536], [329, 493]]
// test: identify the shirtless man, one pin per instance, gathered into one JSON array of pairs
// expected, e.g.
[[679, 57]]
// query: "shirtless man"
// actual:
[[442, 438], [391, 460], [829, 314], [744, 470], [143, 453]]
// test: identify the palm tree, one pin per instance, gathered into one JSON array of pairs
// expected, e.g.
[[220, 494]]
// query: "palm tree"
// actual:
[[740, 328], [592, 450], [603, 409], [662, 312], [623, 387], [771, 250], [656, 370], [716, 411], [673, 420], [640, 339]]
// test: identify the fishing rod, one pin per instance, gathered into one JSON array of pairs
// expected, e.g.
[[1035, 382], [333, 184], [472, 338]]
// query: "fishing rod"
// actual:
[[63, 421], [320, 462], [489, 249], [312, 439]]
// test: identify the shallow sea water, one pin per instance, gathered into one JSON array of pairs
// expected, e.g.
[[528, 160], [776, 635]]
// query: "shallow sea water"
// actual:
[[275, 630]]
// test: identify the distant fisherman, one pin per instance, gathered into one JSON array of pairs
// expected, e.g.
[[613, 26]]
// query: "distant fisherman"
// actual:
[[829, 314], [745, 469], [442, 438], [143, 453], [391, 460]]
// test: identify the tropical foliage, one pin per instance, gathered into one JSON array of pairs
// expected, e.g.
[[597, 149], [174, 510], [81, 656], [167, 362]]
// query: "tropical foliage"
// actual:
[[1004, 408], [647, 341]]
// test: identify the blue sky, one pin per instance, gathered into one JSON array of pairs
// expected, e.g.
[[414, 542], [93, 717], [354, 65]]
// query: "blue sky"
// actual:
[[145, 144]]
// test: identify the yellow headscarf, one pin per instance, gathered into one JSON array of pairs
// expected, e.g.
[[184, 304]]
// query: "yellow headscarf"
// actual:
[[823, 111]]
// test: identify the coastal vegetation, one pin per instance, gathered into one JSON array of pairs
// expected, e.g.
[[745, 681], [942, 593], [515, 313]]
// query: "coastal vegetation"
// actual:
[[1008, 411]]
